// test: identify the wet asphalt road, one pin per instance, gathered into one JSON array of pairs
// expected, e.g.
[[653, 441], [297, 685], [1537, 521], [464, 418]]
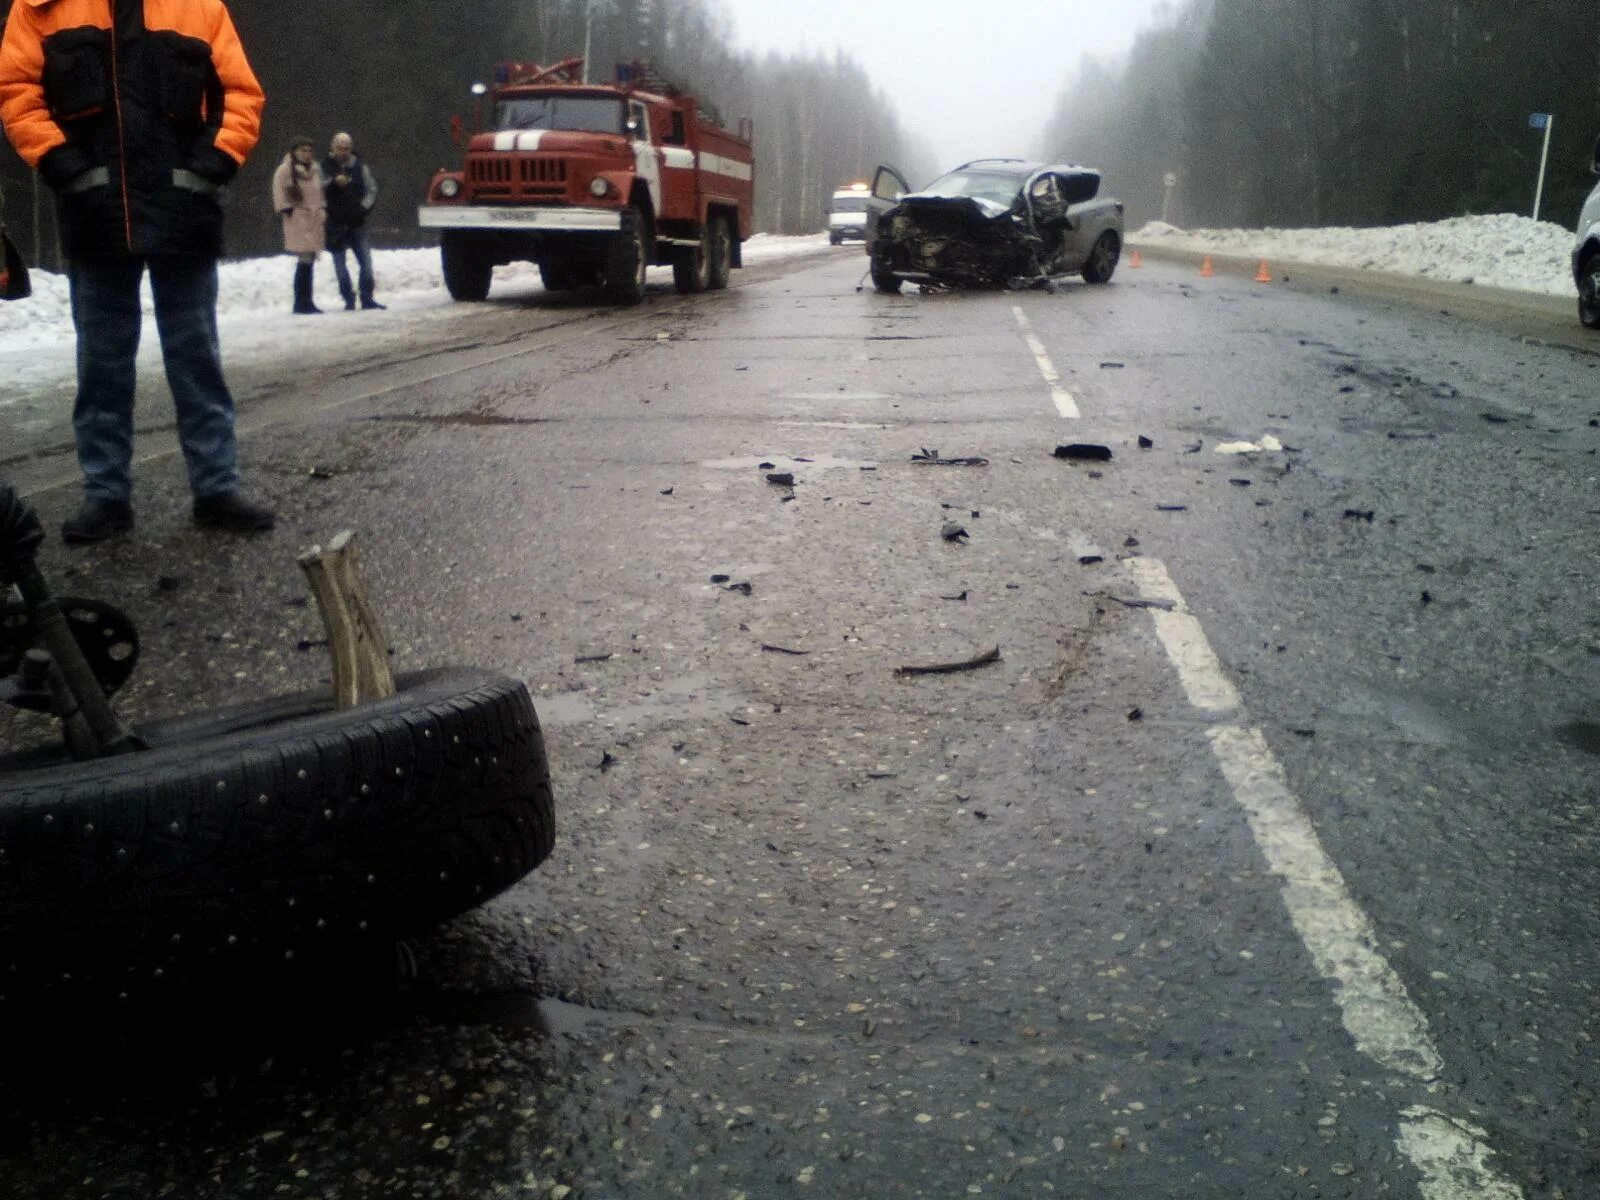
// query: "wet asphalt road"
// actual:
[[819, 929]]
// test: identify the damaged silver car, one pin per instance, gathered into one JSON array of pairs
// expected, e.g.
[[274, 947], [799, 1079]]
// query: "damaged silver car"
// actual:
[[993, 222]]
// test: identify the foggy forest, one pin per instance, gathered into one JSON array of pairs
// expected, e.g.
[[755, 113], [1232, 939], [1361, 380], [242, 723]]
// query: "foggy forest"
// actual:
[[1267, 112], [1295, 113]]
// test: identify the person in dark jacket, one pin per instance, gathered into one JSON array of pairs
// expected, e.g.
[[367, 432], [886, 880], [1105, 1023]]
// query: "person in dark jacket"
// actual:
[[137, 113], [350, 192]]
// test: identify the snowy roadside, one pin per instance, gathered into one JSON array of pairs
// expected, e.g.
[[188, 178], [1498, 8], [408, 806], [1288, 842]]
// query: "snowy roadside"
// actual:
[[1501, 251], [37, 364]]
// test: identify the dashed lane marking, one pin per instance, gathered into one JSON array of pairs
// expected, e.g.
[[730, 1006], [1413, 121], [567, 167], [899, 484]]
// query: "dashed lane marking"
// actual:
[[1450, 1155], [1065, 404]]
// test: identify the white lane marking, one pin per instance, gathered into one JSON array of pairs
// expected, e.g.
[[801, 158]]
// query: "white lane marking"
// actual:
[[1450, 1155], [1386, 1025], [1198, 669], [1065, 404]]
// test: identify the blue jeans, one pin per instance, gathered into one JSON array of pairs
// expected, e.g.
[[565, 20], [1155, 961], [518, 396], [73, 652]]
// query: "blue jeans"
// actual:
[[356, 242], [106, 314]]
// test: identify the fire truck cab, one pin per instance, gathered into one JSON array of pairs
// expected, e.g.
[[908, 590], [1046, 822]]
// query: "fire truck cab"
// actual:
[[595, 183]]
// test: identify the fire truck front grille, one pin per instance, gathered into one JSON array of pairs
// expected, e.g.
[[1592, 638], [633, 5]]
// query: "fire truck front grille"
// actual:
[[506, 176], [542, 170]]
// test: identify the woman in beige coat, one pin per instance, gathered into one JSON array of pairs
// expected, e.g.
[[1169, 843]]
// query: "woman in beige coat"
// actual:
[[297, 195]]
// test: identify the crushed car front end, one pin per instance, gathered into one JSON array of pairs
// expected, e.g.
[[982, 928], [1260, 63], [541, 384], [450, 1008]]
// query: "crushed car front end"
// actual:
[[950, 241]]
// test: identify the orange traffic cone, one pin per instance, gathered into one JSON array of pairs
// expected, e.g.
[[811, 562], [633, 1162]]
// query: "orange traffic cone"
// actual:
[[1206, 269], [1135, 262], [1263, 275]]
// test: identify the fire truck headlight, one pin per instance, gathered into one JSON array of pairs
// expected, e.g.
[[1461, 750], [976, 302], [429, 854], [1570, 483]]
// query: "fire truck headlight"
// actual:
[[600, 188], [449, 188]]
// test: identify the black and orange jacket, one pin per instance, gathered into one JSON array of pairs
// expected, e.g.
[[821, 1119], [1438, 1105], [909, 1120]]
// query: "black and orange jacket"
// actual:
[[136, 112]]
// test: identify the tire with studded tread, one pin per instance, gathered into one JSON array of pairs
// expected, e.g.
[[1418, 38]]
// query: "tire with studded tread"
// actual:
[[249, 838]]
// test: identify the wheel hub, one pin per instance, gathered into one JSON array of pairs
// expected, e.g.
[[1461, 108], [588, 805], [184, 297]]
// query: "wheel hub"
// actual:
[[105, 634]]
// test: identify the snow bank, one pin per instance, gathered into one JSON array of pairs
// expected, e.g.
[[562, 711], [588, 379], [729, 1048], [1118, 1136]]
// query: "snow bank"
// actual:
[[1502, 250], [256, 287]]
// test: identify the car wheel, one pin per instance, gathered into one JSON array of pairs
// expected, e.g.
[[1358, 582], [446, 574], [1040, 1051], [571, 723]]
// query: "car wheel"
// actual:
[[721, 253], [466, 265], [885, 280], [1103, 258], [628, 258], [254, 838], [691, 265], [1589, 292]]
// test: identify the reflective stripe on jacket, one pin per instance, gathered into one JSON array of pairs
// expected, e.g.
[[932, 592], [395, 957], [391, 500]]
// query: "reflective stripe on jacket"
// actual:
[[138, 132]]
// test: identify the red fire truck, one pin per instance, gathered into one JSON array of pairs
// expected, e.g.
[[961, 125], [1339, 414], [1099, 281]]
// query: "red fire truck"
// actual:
[[594, 182]]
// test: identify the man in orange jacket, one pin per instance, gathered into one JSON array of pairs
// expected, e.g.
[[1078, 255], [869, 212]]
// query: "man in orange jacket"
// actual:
[[138, 113]]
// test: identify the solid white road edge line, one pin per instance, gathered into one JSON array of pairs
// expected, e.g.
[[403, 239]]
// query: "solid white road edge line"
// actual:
[[1450, 1155], [1065, 404]]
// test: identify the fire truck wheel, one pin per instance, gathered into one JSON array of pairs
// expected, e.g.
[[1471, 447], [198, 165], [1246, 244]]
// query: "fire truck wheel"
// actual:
[[627, 259], [256, 838], [721, 253], [467, 268], [691, 265]]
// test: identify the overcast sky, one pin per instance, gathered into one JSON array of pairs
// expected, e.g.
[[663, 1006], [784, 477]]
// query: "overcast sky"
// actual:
[[971, 77]]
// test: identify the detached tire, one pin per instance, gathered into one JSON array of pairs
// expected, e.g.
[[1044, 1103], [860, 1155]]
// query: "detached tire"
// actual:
[[279, 831], [885, 280]]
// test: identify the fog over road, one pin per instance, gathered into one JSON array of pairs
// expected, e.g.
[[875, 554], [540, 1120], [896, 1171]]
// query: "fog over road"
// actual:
[[1262, 863]]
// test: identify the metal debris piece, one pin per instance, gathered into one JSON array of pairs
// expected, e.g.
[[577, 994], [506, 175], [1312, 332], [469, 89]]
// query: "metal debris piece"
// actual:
[[1172, 508], [592, 658], [968, 664], [932, 458], [1163, 605]]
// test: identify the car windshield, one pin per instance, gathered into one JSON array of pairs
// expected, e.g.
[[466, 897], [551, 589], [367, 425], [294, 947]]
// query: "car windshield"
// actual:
[[994, 186], [589, 114], [850, 204]]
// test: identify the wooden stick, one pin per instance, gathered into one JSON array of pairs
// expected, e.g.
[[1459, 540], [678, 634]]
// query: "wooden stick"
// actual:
[[966, 664], [355, 638]]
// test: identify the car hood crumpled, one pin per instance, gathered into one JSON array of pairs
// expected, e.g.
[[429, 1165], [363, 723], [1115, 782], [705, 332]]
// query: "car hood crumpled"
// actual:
[[986, 208]]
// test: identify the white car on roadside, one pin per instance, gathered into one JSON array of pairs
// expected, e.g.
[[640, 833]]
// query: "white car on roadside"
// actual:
[[1586, 255]]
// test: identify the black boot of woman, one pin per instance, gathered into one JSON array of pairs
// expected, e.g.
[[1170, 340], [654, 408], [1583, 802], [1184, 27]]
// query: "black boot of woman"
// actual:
[[302, 289]]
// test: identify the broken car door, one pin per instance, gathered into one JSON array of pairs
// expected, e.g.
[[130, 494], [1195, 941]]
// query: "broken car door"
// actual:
[[888, 185]]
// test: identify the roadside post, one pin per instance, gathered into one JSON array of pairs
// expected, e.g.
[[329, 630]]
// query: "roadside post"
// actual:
[[1546, 122], [1168, 182]]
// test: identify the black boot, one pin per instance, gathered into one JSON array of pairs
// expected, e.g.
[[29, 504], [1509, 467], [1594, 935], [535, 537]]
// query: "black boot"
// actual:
[[96, 521], [302, 289], [232, 512]]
